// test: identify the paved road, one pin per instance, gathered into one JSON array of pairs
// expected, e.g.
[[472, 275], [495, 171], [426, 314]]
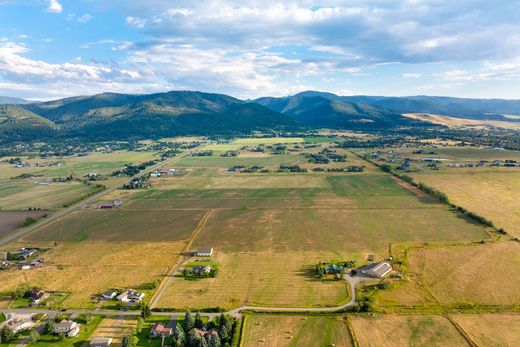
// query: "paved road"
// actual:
[[20, 232]]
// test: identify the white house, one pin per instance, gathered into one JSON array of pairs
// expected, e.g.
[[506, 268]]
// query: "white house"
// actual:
[[204, 252], [130, 296], [67, 327], [109, 294], [101, 342], [377, 270]]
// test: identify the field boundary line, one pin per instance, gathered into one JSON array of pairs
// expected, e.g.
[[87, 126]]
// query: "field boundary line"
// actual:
[[461, 330], [350, 328], [168, 277]]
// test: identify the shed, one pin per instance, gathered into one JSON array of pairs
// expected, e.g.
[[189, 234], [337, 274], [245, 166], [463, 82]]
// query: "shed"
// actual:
[[204, 252]]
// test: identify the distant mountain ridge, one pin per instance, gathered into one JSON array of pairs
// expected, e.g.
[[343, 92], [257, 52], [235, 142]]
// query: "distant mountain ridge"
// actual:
[[113, 116], [12, 100]]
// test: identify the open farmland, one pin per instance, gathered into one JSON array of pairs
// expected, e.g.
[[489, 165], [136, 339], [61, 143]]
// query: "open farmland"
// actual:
[[12, 220], [20, 195], [263, 278], [119, 225], [493, 330], [227, 162], [399, 330], [459, 275], [494, 195], [268, 140], [87, 268], [301, 331]]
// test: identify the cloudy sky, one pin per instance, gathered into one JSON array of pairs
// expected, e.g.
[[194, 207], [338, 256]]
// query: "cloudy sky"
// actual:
[[57, 48]]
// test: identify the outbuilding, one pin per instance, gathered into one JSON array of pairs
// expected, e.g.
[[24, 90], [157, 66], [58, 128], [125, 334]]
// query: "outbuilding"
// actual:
[[204, 252]]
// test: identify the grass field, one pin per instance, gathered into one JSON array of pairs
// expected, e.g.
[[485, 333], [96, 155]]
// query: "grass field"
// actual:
[[81, 339], [493, 330], [227, 162], [12, 220], [269, 140], [330, 230], [22, 194], [119, 225], [454, 122], [479, 274], [221, 147], [398, 330], [86, 268], [295, 331], [494, 195], [279, 279]]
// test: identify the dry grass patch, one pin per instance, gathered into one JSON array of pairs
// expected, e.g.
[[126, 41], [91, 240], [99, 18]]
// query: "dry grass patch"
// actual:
[[301, 331], [116, 328], [396, 330], [492, 330], [490, 194], [87, 268], [332, 230], [12, 220], [479, 274], [278, 279]]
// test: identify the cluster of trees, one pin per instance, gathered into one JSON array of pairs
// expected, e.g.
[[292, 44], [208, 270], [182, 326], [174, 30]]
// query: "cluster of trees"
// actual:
[[203, 154], [132, 170], [291, 168]]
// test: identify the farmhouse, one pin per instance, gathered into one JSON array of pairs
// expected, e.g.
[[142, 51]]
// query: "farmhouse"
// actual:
[[159, 329], [130, 296], [67, 327], [18, 322], [204, 252], [201, 270], [113, 204], [101, 342], [109, 294], [377, 270], [36, 295]]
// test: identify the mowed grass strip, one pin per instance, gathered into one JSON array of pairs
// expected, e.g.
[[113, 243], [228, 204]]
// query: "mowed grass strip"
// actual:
[[399, 330], [119, 225], [484, 274], [87, 268], [332, 230], [295, 331], [267, 278], [493, 330], [116, 328]]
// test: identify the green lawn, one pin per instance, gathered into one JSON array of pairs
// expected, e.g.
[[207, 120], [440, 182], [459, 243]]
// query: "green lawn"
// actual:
[[78, 341]]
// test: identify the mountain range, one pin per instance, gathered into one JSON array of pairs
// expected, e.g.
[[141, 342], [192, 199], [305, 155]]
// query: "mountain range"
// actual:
[[112, 116]]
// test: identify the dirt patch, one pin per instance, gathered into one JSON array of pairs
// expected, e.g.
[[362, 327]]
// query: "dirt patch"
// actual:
[[12, 220]]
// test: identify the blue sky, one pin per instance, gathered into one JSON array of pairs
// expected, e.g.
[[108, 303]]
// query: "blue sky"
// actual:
[[58, 48]]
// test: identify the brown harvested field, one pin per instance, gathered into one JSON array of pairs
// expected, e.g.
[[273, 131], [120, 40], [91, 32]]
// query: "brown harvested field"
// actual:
[[116, 328], [296, 331], [454, 122], [339, 230], [494, 195], [268, 278], [119, 225], [12, 220], [492, 330], [484, 274], [87, 268], [399, 330]]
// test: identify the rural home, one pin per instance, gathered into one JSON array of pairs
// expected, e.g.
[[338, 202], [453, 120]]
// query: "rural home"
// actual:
[[109, 294], [67, 327], [36, 295], [159, 329], [18, 322], [101, 342], [201, 269], [130, 296], [204, 252], [113, 204], [377, 270]]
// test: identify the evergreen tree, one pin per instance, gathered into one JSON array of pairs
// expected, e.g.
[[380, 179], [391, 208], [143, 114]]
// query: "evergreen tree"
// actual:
[[224, 334], [6, 334], [214, 341], [178, 335], [189, 321], [146, 312], [198, 321]]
